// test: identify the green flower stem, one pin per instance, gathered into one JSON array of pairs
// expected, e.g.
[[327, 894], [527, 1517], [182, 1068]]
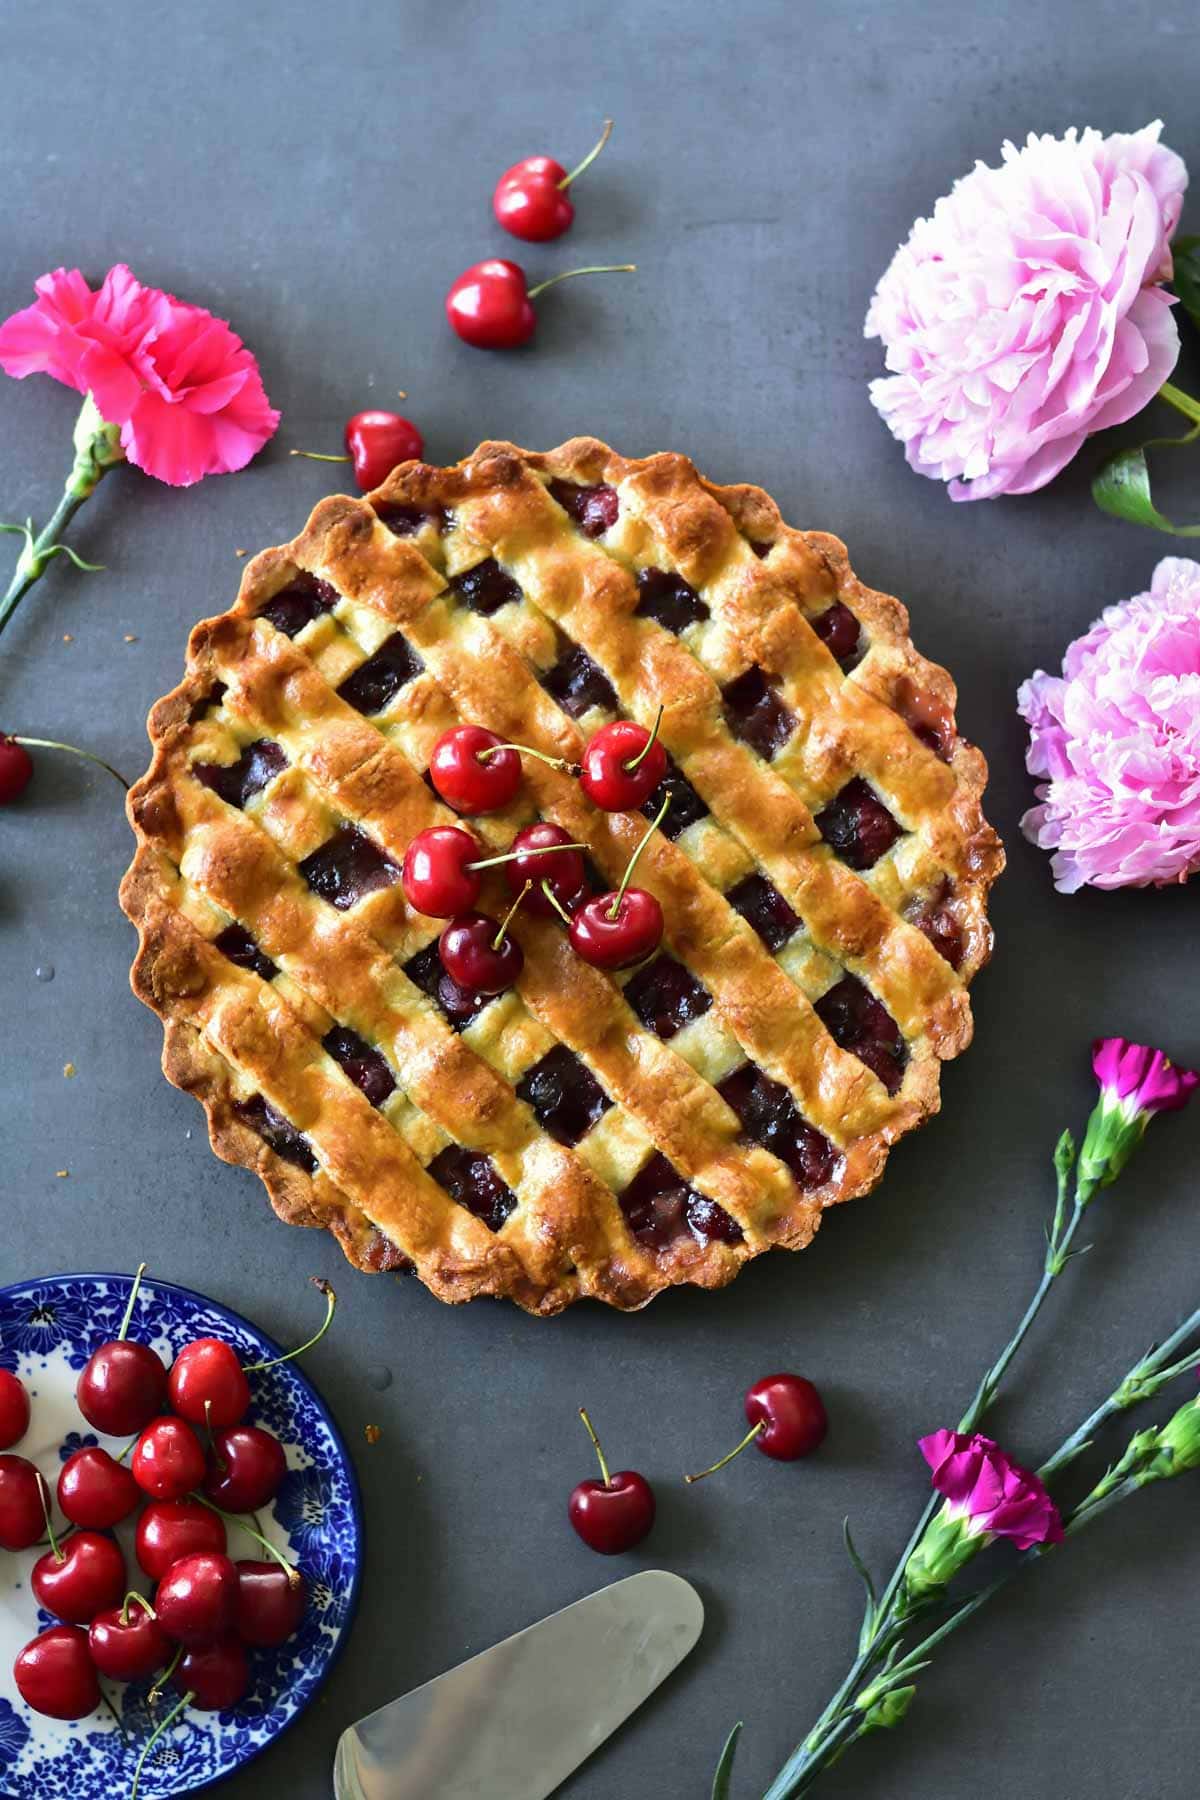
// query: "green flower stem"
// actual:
[[1141, 1383], [1183, 403]]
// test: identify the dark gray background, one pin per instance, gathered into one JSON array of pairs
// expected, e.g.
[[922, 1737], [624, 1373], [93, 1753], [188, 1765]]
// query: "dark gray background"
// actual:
[[319, 174]]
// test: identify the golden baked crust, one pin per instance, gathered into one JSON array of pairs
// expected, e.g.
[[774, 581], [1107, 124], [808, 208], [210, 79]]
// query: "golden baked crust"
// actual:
[[248, 1042]]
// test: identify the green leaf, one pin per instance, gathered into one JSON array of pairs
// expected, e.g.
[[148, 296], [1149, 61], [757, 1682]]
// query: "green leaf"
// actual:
[[724, 1769], [1186, 280], [1122, 487], [868, 1624]]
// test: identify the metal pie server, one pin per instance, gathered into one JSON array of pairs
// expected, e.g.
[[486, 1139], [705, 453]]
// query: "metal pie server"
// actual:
[[515, 1721]]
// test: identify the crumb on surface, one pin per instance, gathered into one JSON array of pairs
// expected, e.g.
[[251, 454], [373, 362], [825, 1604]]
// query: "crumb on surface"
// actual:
[[372, 1433], [67, 638], [68, 1069], [62, 1173], [241, 553], [130, 637]]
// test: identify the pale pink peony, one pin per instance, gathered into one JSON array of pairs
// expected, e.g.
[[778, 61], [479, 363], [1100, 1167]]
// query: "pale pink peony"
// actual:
[[182, 386], [993, 1496], [1117, 740], [1027, 312]]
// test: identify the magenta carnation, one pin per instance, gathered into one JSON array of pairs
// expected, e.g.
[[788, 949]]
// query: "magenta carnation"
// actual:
[[1116, 739], [1140, 1079], [1028, 311], [993, 1496]]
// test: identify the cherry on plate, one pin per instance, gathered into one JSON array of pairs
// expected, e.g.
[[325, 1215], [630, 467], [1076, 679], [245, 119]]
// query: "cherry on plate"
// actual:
[[207, 1384], [55, 1674], [23, 1503], [167, 1460], [623, 764], [532, 199], [245, 1470], [95, 1490], [196, 1600], [14, 1409], [127, 1643], [123, 1384], [215, 1676], [787, 1421], [270, 1603], [615, 1513], [491, 304], [169, 1530], [80, 1577]]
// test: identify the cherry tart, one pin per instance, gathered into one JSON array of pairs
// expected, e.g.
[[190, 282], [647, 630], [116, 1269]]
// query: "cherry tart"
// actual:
[[813, 898]]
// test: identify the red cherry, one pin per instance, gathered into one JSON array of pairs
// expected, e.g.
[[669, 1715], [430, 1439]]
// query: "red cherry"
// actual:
[[169, 1530], [787, 1420], [613, 1514], [16, 769], [167, 1459], [215, 1675], [95, 1490], [23, 1503], [491, 307], [207, 1385], [196, 1600], [127, 1643], [622, 766], [531, 199], [614, 931], [469, 782], [472, 958], [247, 1467], [83, 1576], [377, 441], [437, 876], [564, 872], [55, 1675], [270, 1603], [14, 1409], [121, 1388]]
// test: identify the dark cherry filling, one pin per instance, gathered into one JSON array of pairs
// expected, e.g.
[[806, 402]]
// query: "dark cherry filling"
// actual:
[[934, 918], [660, 1207], [760, 548], [296, 606], [665, 596], [857, 826], [212, 697], [770, 1117], [839, 631], [236, 782], [347, 866], [927, 717], [426, 971], [487, 587], [405, 521], [380, 1256], [472, 1179], [666, 996], [564, 1094], [858, 1022], [276, 1131], [765, 910], [686, 805], [593, 508], [578, 683], [756, 714], [374, 682], [364, 1065], [236, 943]]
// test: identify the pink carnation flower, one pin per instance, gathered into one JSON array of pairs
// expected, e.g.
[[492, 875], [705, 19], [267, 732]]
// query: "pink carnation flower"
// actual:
[[1027, 312], [181, 385], [993, 1496], [1138, 1079], [1116, 739]]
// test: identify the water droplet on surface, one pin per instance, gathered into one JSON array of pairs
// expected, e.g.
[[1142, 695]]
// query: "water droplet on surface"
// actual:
[[379, 1376], [44, 972]]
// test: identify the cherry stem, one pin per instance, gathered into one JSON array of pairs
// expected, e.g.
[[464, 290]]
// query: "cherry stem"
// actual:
[[118, 1721], [653, 826], [644, 752], [133, 1294], [561, 910], [492, 862], [590, 158], [587, 1425], [506, 921], [37, 743], [323, 1287], [551, 762], [142, 1602], [122, 1454], [154, 1737], [318, 456], [755, 1431], [239, 1519], [161, 1679], [44, 1496], [592, 269]]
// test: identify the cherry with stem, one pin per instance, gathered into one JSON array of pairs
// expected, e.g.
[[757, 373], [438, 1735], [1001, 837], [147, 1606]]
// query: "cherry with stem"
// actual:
[[376, 442], [621, 928], [124, 1383], [479, 955], [614, 1513], [787, 1421], [532, 199], [491, 304]]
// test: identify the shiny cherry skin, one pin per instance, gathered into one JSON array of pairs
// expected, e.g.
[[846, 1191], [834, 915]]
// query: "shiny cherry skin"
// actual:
[[55, 1674], [463, 781], [270, 1603], [95, 1490], [167, 1460], [23, 1501], [607, 779], [169, 1530], [791, 1413], [489, 305], [196, 1600], [469, 955], [87, 1576], [436, 877], [246, 1468], [617, 943], [376, 441], [121, 1388], [16, 767], [614, 1515], [564, 873], [215, 1675], [14, 1409], [128, 1644], [530, 201], [207, 1384]]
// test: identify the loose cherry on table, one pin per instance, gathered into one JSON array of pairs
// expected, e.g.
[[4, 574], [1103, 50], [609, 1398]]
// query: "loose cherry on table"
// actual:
[[196, 1600], [123, 1384], [127, 1643], [623, 764], [207, 1384], [475, 771], [615, 1513], [80, 1577], [544, 855], [22, 1503], [169, 1530], [270, 1603], [478, 954], [532, 199], [787, 1421], [245, 1470], [55, 1674], [95, 1490], [14, 1409], [168, 1461], [618, 929], [491, 304], [16, 764], [376, 441], [442, 872]]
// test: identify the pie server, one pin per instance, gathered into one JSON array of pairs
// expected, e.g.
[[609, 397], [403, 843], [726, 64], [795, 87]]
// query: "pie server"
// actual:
[[515, 1721]]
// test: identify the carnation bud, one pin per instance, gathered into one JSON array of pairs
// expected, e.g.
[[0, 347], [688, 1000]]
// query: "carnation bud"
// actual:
[[883, 1711], [1178, 1444]]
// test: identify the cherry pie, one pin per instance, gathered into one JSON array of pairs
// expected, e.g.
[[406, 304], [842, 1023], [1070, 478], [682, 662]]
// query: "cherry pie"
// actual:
[[823, 870]]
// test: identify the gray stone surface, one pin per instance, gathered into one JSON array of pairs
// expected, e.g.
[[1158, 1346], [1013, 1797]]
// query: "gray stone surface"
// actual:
[[320, 174]]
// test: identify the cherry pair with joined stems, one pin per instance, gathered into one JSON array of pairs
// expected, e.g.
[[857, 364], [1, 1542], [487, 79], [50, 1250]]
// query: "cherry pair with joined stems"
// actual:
[[476, 772]]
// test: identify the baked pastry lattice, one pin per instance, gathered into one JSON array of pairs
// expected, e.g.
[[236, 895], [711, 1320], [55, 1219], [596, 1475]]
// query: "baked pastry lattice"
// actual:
[[823, 869]]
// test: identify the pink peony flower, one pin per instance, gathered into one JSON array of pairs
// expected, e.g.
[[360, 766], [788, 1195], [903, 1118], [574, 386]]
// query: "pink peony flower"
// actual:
[[990, 1494], [1027, 312], [181, 385], [1117, 740]]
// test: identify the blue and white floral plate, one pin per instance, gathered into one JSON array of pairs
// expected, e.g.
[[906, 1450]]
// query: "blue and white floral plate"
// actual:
[[48, 1329]]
